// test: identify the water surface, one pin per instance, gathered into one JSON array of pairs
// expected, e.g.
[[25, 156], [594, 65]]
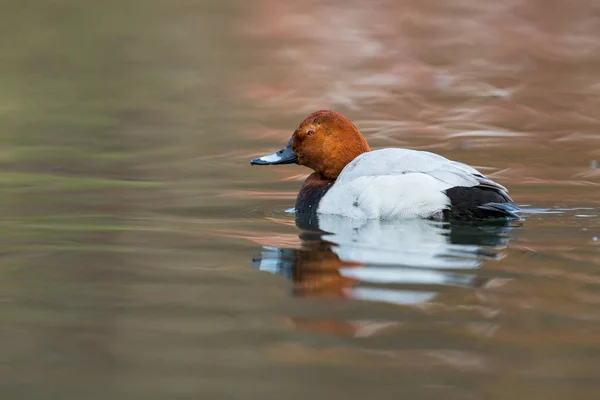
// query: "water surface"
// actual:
[[142, 257]]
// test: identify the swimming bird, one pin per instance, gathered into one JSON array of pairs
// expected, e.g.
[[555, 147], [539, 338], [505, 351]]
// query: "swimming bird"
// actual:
[[393, 183]]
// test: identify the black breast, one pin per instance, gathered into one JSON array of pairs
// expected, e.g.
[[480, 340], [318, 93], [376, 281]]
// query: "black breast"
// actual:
[[310, 194]]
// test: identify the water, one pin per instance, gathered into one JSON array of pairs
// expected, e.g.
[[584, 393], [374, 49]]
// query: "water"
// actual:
[[142, 257]]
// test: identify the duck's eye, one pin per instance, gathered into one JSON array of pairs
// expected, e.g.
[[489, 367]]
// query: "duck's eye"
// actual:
[[310, 132]]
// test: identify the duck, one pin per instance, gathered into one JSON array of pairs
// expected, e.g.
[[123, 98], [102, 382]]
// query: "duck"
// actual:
[[351, 180]]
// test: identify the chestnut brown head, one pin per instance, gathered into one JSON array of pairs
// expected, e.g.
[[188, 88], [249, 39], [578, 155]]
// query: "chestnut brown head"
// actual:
[[325, 141]]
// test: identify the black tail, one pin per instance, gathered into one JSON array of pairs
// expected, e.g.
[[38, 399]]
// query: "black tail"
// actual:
[[478, 202], [500, 210]]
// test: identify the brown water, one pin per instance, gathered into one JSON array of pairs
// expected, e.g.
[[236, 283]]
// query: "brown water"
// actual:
[[142, 257]]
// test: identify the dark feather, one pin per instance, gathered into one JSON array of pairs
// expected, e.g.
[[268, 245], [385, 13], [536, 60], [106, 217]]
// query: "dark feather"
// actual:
[[479, 202]]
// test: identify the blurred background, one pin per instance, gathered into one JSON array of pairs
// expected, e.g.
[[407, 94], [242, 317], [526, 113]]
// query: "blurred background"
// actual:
[[142, 257]]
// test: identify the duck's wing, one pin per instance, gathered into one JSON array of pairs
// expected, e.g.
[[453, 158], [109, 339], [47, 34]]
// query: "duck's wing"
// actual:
[[389, 162]]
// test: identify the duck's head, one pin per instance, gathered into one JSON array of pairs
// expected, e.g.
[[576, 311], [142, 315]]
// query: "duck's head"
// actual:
[[325, 141]]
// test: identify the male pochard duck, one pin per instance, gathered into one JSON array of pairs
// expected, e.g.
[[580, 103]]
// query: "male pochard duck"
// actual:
[[351, 180]]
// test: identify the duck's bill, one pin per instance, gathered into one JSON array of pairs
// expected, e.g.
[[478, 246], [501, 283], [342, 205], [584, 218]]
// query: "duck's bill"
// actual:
[[283, 156]]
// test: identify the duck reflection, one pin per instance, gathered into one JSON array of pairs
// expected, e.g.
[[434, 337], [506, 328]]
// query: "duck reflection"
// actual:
[[397, 262]]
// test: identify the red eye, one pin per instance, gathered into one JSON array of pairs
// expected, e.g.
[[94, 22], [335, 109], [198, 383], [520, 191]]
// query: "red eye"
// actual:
[[311, 132]]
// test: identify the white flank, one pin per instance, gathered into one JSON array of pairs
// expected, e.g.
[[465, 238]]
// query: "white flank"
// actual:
[[414, 195]]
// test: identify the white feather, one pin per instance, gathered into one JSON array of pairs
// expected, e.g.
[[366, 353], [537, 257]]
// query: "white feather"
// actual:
[[398, 183], [414, 195]]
